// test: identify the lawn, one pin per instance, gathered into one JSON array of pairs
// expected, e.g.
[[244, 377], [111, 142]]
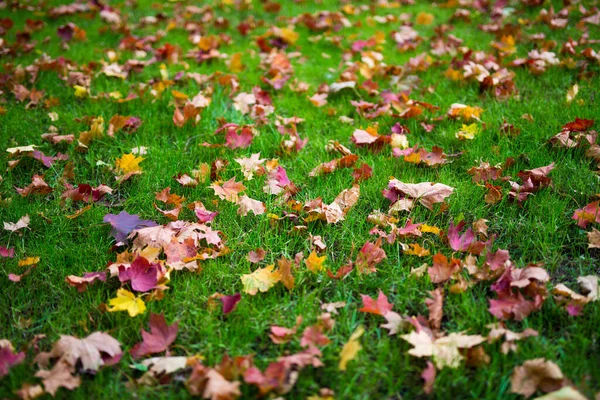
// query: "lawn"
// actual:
[[405, 197]]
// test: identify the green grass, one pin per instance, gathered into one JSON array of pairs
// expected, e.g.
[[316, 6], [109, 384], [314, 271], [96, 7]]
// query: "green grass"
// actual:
[[541, 230]]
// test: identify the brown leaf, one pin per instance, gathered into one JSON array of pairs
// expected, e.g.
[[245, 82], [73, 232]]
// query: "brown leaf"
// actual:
[[534, 375]]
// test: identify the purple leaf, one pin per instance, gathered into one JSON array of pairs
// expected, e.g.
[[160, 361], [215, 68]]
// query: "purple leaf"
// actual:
[[141, 273], [123, 223]]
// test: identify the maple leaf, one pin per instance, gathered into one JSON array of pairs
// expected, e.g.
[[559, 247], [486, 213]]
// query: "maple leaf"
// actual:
[[260, 280], [587, 214], [256, 256], [575, 301], [416, 250], [229, 190], [93, 351], [6, 252], [129, 164], [209, 383], [126, 301], [230, 302], [8, 357], [381, 306], [86, 193], [124, 223], [142, 275], [22, 223], [275, 378], [314, 263], [351, 348], [57, 377], [435, 306], [285, 271], [465, 112], [251, 165], [362, 173], [457, 241], [498, 330], [81, 283], [281, 335], [37, 186], [512, 286], [427, 193], [445, 350], [467, 132], [158, 339], [441, 270], [369, 256], [536, 374], [159, 367], [247, 204], [233, 140], [313, 337]]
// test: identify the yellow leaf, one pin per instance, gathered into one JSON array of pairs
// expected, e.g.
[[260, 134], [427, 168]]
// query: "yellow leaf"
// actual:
[[129, 163], [80, 91], [351, 348], [572, 93], [430, 229], [288, 35], [262, 280], [235, 63], [314, 263], [424, 18], [467, 132], [416, 250], [29, 261], [127, 301]]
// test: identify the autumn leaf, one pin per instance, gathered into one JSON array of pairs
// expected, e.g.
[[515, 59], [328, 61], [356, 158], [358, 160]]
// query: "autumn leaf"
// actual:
[[381, 306], [247, 204], [8, 357], [126, 301], [81, 283], [260, 280], [158, 339], [427, 193], [93, 351], [314, 263], [57, 377], [229, 190], [445, 350], [351, 348], [534, 375], [128, 164], [22, 223], [142, 275], [230, 302]]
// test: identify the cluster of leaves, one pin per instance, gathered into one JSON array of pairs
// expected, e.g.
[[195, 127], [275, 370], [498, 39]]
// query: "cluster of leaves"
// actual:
[[146, 253]]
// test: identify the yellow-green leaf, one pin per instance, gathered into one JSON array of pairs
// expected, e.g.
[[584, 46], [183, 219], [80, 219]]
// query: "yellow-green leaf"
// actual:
[[262, 280]]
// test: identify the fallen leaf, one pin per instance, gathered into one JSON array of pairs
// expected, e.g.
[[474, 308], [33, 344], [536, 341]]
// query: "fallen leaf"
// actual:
[[260, 280], [351, 348], [534, 375], [126, 301]]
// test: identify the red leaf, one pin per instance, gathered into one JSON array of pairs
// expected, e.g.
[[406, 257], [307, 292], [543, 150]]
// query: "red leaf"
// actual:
[[141, 273], [158, 339], [229, 302], [380, 307]]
